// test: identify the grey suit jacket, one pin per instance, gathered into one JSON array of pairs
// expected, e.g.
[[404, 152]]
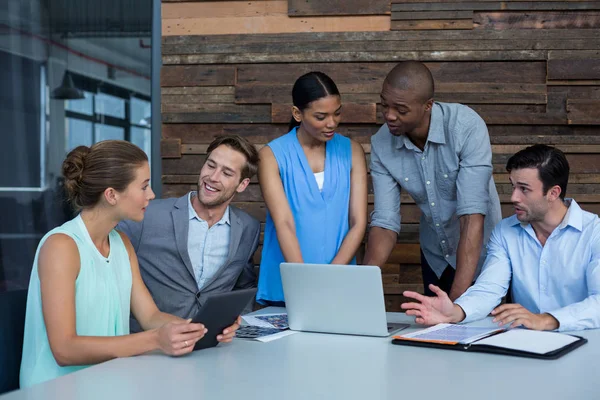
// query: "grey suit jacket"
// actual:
[[160, 242]]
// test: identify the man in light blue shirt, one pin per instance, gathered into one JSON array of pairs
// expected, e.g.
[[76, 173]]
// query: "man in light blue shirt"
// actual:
[[440, 154], [548, 253]]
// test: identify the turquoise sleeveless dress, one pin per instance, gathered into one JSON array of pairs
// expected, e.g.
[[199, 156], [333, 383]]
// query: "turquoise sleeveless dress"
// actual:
[[102, 302], [321, 217]]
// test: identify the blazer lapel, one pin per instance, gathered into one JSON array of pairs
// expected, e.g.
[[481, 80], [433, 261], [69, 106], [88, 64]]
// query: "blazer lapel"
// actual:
[[181, 221], [235, 236]]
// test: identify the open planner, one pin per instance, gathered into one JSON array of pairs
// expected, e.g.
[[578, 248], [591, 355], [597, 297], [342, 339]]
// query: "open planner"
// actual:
[[512, 342]]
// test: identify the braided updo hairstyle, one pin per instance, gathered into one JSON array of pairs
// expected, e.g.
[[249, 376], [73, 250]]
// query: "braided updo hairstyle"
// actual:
[[89, 171]]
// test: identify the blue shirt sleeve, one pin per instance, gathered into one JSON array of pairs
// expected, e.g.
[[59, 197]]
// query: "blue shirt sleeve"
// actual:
[[386, 213], [584, 314], [475, 168]]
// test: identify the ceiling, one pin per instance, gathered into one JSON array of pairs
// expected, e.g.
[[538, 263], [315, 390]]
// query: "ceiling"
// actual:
[[115, 31]]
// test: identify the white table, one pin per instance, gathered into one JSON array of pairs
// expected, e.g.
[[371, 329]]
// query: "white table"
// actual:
[[319, 366]]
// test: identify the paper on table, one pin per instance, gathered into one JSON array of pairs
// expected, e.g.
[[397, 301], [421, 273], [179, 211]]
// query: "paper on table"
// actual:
[[531, 341], [278, 321], [275, 336], [261, 333], [449, 334]]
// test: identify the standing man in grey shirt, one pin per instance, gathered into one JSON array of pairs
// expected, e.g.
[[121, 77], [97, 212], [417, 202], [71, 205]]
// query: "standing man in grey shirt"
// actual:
[[440, 154]]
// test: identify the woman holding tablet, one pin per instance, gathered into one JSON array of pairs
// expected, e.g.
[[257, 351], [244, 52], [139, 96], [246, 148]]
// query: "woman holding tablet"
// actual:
[[85, 280]]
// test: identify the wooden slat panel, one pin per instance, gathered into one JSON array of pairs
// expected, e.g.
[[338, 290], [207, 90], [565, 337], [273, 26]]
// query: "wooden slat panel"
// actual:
[[186, 165], [223, 9], [496, 93], [432, 24], [424, 15], [304, 8], [574, 68], [470, 1], [170, 148], [405, 254], [196, 99], [351, 113], [206, 133], [279, 23], [197, 75], [371, 46], [583, 111], [215, 113], [304, 37], [536, 20], [356, 56], [197, 90], [498, 5], [357, 73]]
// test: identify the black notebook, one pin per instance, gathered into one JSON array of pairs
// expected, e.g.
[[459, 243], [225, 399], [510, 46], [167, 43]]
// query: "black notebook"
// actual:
[[513, 342]]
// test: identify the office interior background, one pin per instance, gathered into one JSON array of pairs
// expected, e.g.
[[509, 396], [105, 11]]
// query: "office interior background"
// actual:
[[71, 73], [530, 69]]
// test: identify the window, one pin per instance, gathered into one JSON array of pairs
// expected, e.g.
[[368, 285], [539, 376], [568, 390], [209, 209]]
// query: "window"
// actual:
[[107, 113], [23, 114]]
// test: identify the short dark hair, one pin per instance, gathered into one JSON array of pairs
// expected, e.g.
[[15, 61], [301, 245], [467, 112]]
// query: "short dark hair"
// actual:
[[89, 171], [551, 163], [310, 87], [415, 75], [241, 145]]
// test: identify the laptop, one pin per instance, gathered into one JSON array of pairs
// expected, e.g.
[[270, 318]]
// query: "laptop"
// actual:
[[345, 299]]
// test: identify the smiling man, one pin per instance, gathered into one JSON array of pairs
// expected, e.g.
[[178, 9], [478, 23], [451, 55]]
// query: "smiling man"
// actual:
[[197, 245], [440, 154], [549, 253]]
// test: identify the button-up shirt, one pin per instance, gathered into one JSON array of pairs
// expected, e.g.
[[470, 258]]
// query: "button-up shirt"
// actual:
[[561, 278], [449, 178], [208, 248]]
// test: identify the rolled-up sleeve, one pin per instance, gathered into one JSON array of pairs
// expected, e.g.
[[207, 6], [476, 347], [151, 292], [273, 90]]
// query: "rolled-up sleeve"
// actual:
[[492, 284], [475, 168], [584, 314], [386, 213]]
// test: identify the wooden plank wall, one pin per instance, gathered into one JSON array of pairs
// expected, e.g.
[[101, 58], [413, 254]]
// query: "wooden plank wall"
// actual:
[[531, 69]]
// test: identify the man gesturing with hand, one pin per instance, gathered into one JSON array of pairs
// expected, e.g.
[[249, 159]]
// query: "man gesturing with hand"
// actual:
[[548, 253]]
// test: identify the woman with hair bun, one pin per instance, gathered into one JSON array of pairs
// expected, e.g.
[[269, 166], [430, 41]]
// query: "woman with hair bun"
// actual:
[[314, 182], [85, 280]]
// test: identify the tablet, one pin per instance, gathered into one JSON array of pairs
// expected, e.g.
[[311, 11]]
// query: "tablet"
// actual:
[[220, 311]]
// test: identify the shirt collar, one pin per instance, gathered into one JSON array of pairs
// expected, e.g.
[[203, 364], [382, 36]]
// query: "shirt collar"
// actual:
[[192, 213], [573, 217], [435, 133]]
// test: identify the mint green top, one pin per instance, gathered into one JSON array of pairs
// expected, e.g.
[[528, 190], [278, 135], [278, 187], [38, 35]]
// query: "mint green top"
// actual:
[[102, 302]]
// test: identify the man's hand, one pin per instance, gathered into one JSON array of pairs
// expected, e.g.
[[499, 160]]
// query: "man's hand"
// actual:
[[517, 315], [433, 310], [229, 332]]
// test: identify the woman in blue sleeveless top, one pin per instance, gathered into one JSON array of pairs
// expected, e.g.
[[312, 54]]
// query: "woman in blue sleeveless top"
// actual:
[[314, 182], [85, 279]]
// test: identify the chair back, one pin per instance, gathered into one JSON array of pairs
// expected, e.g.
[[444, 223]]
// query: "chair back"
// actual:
[[12, 326]]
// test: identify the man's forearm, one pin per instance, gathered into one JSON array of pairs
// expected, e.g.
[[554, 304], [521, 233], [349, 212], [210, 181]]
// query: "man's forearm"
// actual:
[[468, 253], [379, 246]]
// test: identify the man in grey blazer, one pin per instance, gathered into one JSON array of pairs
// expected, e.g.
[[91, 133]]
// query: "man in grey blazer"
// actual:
[[197, 245]]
